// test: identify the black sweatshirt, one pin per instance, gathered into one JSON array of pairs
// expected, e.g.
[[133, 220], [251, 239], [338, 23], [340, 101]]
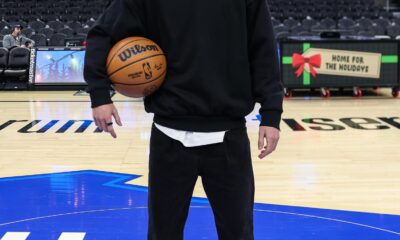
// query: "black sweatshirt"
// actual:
[[222, 59]]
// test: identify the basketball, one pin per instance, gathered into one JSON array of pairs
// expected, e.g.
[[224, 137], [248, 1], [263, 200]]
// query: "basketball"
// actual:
[[136, 66]]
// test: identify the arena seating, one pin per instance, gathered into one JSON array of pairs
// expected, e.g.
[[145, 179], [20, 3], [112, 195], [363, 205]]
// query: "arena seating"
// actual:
[[352, 17], [14, 68], [73, 18], [46, 17], [18, 63]]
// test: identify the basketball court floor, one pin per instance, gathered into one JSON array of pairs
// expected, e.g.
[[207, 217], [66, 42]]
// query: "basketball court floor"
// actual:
[[335, 174]]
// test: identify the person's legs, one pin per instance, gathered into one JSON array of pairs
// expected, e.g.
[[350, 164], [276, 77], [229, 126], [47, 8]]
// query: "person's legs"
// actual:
[[172, 177], [227, 175]]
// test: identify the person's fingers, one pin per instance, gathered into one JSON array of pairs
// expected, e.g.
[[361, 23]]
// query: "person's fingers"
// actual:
[[272, 143], [98, 124], [117, 117], [103, 124], [264, 154], [261, 137], [110, 129]]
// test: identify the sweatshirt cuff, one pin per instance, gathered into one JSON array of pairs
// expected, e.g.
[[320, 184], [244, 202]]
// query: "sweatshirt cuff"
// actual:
[[271, 119], [100, 97]]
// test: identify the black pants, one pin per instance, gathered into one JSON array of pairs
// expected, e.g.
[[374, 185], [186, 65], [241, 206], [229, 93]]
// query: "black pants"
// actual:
[[227, 175]]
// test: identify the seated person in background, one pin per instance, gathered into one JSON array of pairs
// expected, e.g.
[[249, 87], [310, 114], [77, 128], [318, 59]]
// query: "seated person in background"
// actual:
[[15, 39]]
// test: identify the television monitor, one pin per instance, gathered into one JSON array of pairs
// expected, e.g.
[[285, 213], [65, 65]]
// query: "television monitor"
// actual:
[[59, 67]]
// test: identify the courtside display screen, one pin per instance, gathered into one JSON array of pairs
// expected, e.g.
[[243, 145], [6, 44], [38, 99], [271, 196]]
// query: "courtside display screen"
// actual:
[[339, 63], [62, 67]]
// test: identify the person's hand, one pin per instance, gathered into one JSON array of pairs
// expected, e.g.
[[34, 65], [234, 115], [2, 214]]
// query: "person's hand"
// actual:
[[103, 115], [267, 140]]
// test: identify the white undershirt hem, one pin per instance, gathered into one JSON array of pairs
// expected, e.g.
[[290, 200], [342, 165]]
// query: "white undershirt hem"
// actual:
[[193, 139]]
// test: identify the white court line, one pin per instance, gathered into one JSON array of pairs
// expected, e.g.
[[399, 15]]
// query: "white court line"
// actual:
[[66, 214], [330, 219], [257, 210], [15, 236], [72, 236]]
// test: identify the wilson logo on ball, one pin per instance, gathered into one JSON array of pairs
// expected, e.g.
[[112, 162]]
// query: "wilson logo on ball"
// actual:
[[137, 49], [136, 66]]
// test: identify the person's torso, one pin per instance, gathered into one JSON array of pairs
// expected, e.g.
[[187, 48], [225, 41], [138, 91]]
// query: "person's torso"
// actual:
[[205, 42]]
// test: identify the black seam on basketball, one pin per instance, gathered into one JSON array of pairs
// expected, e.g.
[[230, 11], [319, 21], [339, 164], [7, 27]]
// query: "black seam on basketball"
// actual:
[[116, 52], [126, 84], [134, 63]]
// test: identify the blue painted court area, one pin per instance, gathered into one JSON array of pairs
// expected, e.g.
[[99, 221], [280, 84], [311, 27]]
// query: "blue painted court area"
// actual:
[[103, 207]]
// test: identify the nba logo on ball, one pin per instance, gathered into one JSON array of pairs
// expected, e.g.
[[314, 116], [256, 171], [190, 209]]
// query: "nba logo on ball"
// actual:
[[147, 70], [136, 66]]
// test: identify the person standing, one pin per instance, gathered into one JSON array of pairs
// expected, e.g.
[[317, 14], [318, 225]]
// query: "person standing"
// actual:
[[222, 60]]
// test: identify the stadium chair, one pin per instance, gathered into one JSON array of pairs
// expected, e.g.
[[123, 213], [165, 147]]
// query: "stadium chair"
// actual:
[[91, 22], [365, 33], [298, 29], [356, 28], [3, 59], [308, 23], [275, 22], [12, 18], [40, 40], [40, 9], [74, 25], [36, 25], [385, 14], [378, 29], [5, 31], [27, 32], [18, 62], [348, 32], [282, 35], [4, 24], [317, 27], [58, 10], [63, 4], [393, 30], [73, 10], [281, 28], [81, 36], [46, 31], [304, 34], [49, 18], [365, 23], [70, 17], [3, 11], [56, 25], [32, 18], [67, 31], [290, 23], [57, 40], [346, 23], [84, 30], [328, 23], [383, 22], [396, 21], [10, 5]]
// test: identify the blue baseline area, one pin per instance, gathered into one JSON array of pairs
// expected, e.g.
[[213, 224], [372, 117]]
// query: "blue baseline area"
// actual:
[[104, 207]]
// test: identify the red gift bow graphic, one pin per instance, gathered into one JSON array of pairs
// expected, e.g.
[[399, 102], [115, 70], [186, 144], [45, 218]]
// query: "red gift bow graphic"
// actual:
[[313, 62]]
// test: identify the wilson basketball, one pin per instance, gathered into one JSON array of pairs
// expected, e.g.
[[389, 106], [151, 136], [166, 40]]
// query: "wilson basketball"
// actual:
[[137, 67]]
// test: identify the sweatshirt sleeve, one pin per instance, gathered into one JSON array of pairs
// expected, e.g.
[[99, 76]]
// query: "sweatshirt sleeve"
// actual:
[[25, 40], [7, 42], [264, 63], [120, 20]]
